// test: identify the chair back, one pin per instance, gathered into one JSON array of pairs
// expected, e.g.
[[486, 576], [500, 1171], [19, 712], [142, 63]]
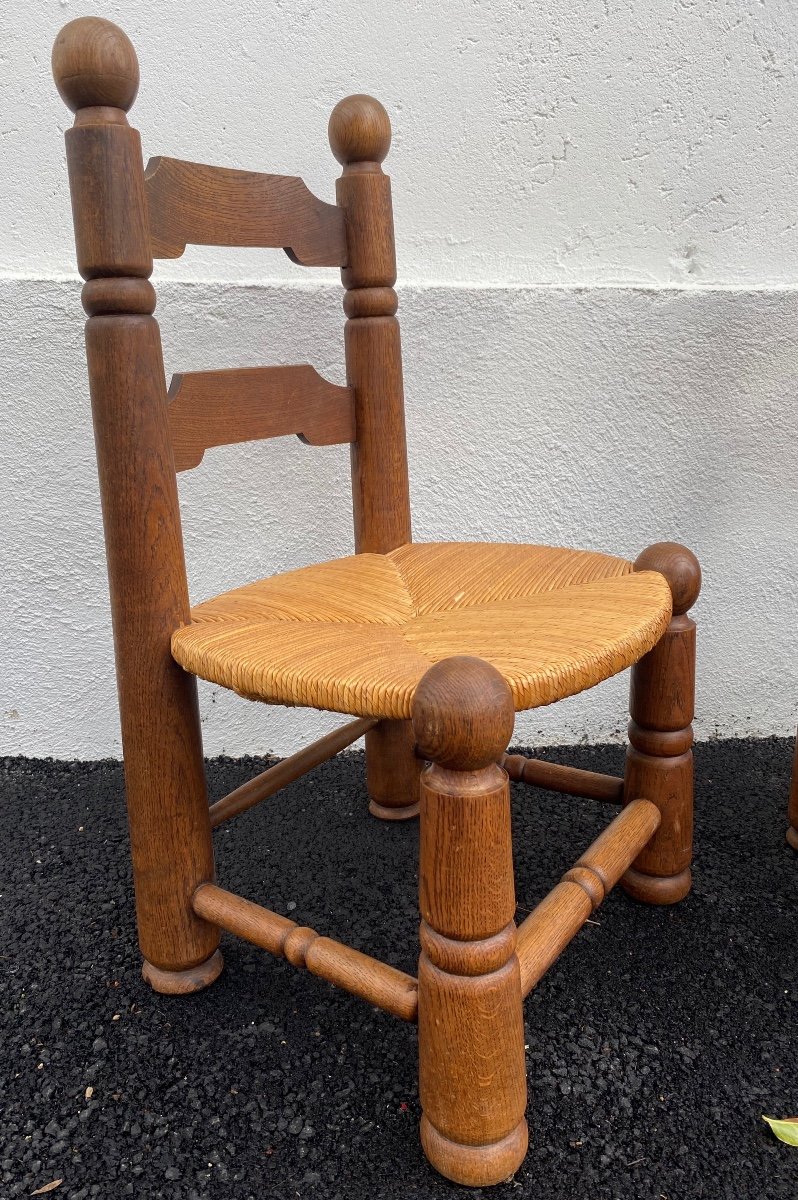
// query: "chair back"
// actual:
[[125, 216]]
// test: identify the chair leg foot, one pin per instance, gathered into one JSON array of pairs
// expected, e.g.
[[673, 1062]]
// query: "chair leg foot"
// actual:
[[792, 837], [475, 1166], [657, 889], [404, 813], [183, 983]]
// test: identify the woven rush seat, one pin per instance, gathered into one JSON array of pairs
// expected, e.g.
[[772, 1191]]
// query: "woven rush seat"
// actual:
[[355, 635]]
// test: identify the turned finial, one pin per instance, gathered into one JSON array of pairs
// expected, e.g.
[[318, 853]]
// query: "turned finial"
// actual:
[[463, 714], [681, 569], [95, 65], [359, 130]]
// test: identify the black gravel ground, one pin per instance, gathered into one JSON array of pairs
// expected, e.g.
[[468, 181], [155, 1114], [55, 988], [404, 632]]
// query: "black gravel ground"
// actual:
[[654, 1044]]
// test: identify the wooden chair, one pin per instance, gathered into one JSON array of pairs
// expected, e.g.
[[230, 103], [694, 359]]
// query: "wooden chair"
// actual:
[[432, 648]]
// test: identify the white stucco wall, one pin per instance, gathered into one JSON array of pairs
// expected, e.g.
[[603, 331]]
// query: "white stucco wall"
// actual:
[[597, 237]]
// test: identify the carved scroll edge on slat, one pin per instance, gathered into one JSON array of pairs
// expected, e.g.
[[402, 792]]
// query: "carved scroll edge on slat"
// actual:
[[165, 192]]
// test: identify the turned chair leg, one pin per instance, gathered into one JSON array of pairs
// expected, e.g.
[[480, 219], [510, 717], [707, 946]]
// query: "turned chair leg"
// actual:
[[167, 798], [170, 835], [393, 771], [659, 761], [472, 1077]]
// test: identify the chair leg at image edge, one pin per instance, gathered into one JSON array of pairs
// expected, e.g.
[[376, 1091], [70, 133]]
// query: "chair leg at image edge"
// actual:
[[659, 761], [472, 1076]]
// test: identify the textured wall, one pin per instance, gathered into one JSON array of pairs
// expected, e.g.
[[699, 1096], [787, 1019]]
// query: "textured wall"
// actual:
[[597, 245], [562, 141]]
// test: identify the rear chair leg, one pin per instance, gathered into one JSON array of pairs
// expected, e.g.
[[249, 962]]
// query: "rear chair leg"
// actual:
[[95, 69], [472, 1077], [170, 836], [392, 771], [659, 761]]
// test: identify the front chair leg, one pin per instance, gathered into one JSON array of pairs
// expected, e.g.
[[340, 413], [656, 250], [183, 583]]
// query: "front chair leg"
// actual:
[[472, 1077], [659, 762]]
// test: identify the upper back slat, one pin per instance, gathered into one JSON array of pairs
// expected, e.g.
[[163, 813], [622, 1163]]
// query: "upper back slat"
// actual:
[[120, 218], [193, 204]]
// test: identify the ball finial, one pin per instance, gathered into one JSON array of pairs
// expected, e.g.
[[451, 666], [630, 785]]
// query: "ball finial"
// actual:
[[94, 64], [681, 569], [359, 130], [463, 714]]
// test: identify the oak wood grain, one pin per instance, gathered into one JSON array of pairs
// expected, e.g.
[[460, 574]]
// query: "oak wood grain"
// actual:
[[552, 924], [473, 963], [659, 761], [364, 976], [285, 772], [164, 772], [393, 771], [554, 777], [360, 135], [105, 183], [194, 204], [472, 1081], [221, 408], [95, 67]]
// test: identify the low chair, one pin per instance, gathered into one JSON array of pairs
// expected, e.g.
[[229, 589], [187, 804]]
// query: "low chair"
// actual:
[[432, 648]]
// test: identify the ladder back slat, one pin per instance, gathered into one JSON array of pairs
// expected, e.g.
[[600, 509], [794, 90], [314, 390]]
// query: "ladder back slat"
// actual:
[[221, 408], [193, 204]]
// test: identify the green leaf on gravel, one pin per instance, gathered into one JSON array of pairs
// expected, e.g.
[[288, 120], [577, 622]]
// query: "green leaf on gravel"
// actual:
[[786, 1129]]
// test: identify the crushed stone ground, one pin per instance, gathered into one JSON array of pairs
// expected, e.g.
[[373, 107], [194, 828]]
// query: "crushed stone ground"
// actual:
[[654, 1044]]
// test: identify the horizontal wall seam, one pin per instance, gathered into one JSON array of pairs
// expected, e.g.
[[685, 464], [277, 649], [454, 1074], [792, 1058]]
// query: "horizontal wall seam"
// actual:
[[420, 285]]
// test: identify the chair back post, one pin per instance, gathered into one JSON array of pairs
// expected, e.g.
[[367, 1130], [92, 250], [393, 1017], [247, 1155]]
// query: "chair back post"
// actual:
[[360, 137], [96, 72]]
